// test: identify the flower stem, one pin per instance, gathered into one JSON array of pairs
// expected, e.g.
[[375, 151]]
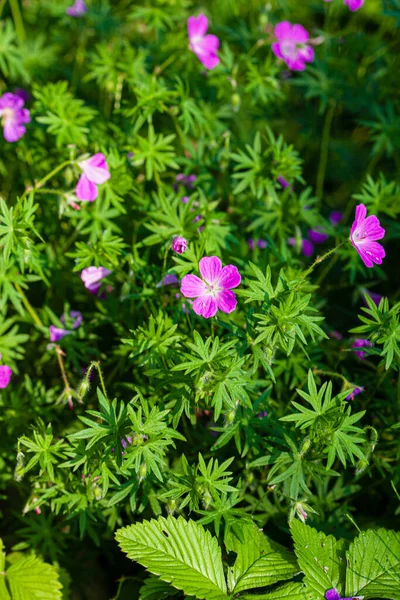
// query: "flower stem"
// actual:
[[323, 161], [28, 306], [100, 372], [47, 177], [17, 18], [319, 259]]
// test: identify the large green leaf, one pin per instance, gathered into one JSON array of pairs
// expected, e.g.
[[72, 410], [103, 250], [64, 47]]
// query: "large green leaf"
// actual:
[[32, 579], [373, 565], [180, 552], [321, 558], [289, 591], [259, 561]]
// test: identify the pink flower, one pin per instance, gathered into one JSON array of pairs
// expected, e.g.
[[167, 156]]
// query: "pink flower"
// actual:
[[335, 217], [179, 245], [363, 235], [354, 4], [374, 297], [213, 292], [78, 9], [5, 376], [13, 116], [204, 46], [291, 45], [57, 333], [361, 343], [92, 276], [355, 392], [307, 248], [95, 172], [283, 182]]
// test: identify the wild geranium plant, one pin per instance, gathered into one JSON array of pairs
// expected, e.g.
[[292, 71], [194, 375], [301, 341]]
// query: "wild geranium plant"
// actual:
[[199, 300]]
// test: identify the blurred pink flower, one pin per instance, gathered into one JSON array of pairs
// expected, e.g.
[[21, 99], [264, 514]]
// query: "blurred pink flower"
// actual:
[[5, 376], [364, 234], [13, 116], [57, 333], [317, 235], [213, 292], [361, 343], [78, 9], [307, 248], [291, 45], [95, 172], [92, 277], [204, 46]]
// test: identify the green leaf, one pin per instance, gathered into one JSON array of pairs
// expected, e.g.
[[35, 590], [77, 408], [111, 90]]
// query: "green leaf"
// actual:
[[373, 565], [321, 558], [180, 552], [289, 591], [259, 561], [32, 579], [154, 589]]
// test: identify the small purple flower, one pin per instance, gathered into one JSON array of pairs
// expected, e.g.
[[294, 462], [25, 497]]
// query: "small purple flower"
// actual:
[[262, 414], [186, 180], [335, 334], [364, 234], [291, 45], [21, 93], [95, 172], [374, 297], [204, 46], [250, 242], [5, 376], [354, 393], [214, 291], [283, 182], [262, 244], [179, 245], [13, 116], [307, 248], [125, 443], [317, 235], [92, 277], [361, 343], [333, 594], [57, 333], [335, 217], [170, 279], [185, 199], [354, 4], [78, 9]]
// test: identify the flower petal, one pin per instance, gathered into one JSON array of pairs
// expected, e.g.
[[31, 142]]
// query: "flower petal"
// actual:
[[227, 301], [13, 131], [86, 190], [192, 286], [205, 306], [210, 269], [299, 34], [332, 594], [229, 277], [5, 376], [57, 333], [283, 31], [197, 26], [96, 169]]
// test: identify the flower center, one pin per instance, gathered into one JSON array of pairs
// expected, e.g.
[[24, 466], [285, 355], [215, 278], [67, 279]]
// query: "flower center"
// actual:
[[213, 290], [7, 114]]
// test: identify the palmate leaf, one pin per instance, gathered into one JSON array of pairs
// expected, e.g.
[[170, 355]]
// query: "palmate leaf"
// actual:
[[259, 562], [289, 591], [180, 552], [373, 565], [321, 558]]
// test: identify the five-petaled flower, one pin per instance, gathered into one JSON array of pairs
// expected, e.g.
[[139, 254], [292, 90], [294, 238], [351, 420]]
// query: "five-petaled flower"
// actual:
[[92, 278], [364, 234], [291, 45], [95, 172], [57, 333], [214, 290], [5, 376], [204, 46], [14, 116], [78, 9]]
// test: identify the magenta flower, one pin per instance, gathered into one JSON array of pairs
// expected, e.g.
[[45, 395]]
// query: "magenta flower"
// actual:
[[333, 594], [361, 343], [78, 9], [95, 172], [363, 235], [92, 277], [307, 248], [354, 4], [213, 292], [13, 116], [283, 182], [186, 180], [374, 297], [317, 235], [291, 45], [170, 279], [57, 333], [335, 217], [204, 46], [351, 396], [5, 376], [179, 245]]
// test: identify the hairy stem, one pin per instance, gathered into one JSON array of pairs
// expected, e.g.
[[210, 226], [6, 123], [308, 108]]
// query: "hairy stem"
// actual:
[[47, 177]]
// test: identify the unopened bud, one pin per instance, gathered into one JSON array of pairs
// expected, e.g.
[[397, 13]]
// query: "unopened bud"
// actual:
[[142, 472]]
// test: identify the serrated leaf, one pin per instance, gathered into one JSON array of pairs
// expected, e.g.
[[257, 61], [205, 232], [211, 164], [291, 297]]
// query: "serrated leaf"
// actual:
[[155, 589], [32, 579], [373, 565], [259, 561], [321, 558], [180, 552], [289, 591]]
